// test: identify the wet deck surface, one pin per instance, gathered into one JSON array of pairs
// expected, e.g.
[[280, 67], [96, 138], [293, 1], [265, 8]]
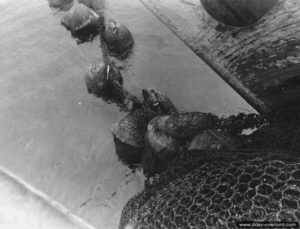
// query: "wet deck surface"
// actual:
[[55, 135]]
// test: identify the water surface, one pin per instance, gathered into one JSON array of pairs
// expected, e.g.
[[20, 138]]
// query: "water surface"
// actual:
[[57, 136]]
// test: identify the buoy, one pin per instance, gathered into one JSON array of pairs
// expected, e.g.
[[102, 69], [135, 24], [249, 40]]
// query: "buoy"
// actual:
[[79, 17], [115, 37], [82, 22], [238, 12]]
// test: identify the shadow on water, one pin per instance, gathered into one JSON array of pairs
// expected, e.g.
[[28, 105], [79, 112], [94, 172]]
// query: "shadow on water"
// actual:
[[85, 35]]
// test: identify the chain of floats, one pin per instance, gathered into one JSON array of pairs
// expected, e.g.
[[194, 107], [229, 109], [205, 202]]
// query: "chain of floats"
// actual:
[[273, 131]]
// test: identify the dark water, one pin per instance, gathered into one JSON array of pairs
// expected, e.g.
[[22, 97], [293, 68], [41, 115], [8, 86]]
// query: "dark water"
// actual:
[[57, 136]]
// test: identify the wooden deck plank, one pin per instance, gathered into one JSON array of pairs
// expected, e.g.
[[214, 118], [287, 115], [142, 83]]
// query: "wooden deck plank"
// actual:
[[261, 61]]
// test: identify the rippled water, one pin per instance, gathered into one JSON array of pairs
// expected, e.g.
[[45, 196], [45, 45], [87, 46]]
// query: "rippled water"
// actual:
[[57, 136]]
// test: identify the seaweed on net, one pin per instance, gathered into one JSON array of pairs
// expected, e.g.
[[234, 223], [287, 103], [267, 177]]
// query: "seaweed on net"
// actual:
[[235, 124], [277, 131], [275, 136]]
